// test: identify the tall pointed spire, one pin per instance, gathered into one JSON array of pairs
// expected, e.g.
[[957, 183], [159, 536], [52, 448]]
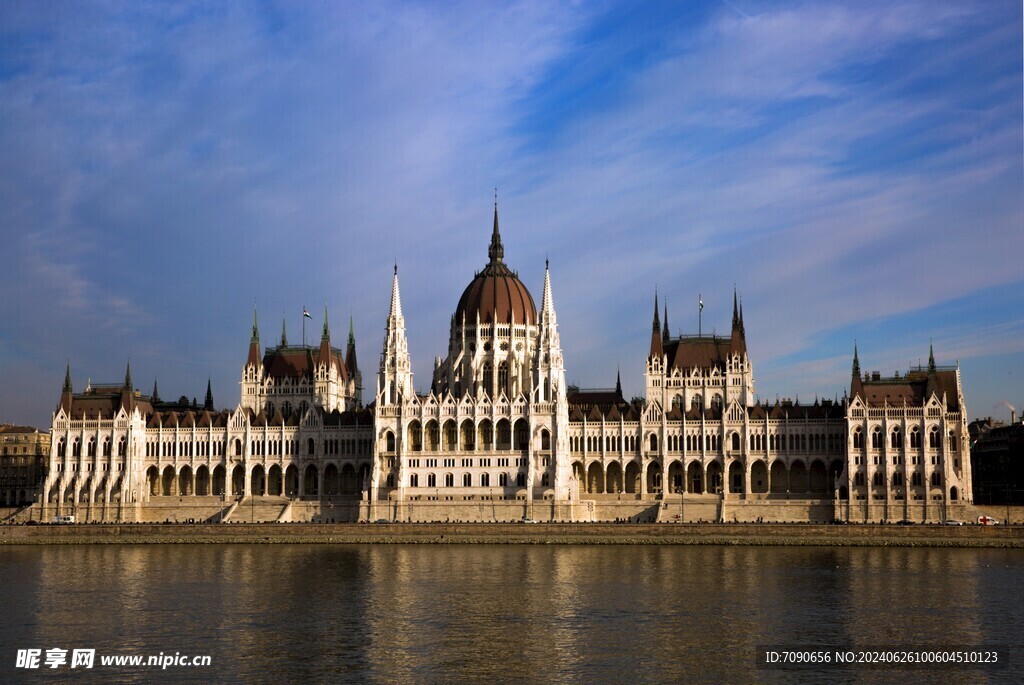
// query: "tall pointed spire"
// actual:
[[255, 326], [208, 402], [284, 332], [735, 309], [396, 296], [156, 393], [350, 353], [665, 333], [326, 334], [128, 376], [856, 361], [656, 334], [547, 309], [67, 378], [931, 358], [351, 331], [618, 382], [496, 251]]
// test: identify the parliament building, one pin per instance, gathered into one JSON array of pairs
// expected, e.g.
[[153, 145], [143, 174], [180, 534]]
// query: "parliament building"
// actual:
[[500, 436]]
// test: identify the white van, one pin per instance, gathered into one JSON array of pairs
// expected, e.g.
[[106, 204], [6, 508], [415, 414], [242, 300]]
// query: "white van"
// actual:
[[63, 519], [987, 521]]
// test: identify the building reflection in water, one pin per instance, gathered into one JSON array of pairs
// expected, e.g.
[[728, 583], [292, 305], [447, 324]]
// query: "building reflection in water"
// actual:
[[503, 613]]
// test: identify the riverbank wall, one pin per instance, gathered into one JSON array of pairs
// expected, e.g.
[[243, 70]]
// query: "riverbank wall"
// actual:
[[521, 533]]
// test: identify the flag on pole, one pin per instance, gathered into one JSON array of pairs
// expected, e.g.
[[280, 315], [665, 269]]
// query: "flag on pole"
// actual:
[[305, 314], [700, 302]]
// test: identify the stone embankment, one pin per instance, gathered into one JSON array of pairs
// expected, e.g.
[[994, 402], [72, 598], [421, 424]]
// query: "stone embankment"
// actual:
[[522, 533]]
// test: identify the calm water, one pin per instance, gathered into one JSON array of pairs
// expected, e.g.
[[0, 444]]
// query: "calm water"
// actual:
[[505, 614]]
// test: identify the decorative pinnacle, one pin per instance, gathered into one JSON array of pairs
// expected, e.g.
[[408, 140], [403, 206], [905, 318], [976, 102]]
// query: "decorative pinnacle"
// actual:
[[496, 252]]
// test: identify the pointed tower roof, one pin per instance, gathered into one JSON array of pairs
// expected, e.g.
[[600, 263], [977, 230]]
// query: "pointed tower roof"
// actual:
[[496, 251], [656, 335], [326, 333], [735, 310], [738, 338], [856, 385], [547, 307], [396, 297], [128, 376], [350, 354], [931, 358], [208, 402], [254, 342], [66, 394], [618, 383], [664, 333], [67, 378], [284, 332], [156, 395], [856, 361]]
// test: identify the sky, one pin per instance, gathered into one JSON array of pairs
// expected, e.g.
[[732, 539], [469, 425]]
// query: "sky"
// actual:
[[855, 170]]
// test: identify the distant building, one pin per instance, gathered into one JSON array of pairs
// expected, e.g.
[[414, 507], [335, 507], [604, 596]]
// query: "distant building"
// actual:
[[24, 455], [501, 436], [997, 456]]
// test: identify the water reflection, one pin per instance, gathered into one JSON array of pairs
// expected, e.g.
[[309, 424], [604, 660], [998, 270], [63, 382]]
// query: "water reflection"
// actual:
[[515, 613]]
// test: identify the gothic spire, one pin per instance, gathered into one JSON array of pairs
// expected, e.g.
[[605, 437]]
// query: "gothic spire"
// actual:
[[156, 395], [618, 383], [856, 361], [547, 309], [496, 251], [931, 358], [128, 376], [255, 326], [284, 332], [656, 334], [396, 297], [208, 403], [665, 333], [67, 378], [735, 310], [326, 334], [350, 354]]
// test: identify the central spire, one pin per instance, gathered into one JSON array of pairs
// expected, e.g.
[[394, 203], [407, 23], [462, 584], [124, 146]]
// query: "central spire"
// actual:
[[496, 251]]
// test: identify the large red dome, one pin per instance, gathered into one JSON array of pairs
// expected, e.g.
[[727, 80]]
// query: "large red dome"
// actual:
[[496, 293]]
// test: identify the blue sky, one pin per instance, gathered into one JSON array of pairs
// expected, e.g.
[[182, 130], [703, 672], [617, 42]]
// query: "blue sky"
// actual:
[[854, 169]]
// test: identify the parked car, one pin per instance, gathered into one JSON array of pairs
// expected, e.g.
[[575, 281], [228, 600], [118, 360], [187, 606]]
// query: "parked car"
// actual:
[[953, 522], [904, 522]]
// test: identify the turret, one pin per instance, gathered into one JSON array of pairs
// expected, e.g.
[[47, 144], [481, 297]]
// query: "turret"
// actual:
[[66, 393], [208, 402], [657, 350], [738, 338], [254, 342]]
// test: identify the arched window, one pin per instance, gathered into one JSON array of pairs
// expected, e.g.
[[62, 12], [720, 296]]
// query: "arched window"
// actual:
[[915, 438], [877, 480], [736, 442], [915, 478], [502, 480], [467, 480], [389, 439], [106, 446], [936, 479], [876, 439], [544, 480], [414, 481], [895, 441], [952, 441], [488, 378], [431, 480], [92, 448], [858, 439], [545, 439], [310, 447], [449, 480], [503, 377], [62, 449], [654, 442], [716, 401], [933, 438], [485, 480], [858, 479], [122, 447], [897, 479]]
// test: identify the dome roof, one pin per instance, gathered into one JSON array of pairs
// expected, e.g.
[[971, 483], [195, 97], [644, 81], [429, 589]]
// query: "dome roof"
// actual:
[[496, 293]]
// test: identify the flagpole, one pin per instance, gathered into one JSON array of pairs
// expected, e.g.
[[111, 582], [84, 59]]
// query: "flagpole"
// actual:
[[700, 312], [303, 325]]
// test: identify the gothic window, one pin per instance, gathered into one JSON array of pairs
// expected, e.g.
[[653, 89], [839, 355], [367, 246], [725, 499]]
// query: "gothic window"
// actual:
[[467, 480], [897, 479], [933, 438], [858, 439], [310, 447], [502, 378], [122, 447], [858, 479], [502, 480], [485, 480], [952, 441], [286, 410], [545, 439], [449, 480], [106, 446], [877, 480], [654, 442], [488, 378], [716, 401], [431, 480], [876, 439], [915, 438], [936, 479], [414, 481], [895, 439], [303, 406], [915, 478], [544, 480], [520, 479], [736, 442]]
